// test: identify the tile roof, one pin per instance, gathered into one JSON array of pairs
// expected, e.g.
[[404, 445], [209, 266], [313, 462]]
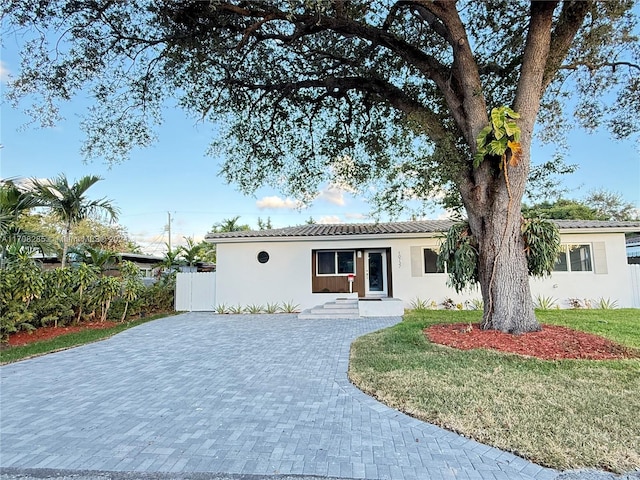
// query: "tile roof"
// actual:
[[391, 228], [324, 230]]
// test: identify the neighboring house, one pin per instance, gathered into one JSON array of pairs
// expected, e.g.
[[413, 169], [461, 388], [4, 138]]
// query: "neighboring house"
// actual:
[[633, 250], [147, 264], [312, 264]]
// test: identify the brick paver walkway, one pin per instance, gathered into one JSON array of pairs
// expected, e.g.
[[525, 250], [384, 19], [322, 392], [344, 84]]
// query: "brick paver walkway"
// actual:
[[247, 394]]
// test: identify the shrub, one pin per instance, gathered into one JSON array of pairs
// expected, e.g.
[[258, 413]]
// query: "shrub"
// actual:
[[254, 309], [606, 304], [271, 307], [159, 296], [577, 303], [448, 304], [475, 304], [222, 309], [418, 304], [544, 303], [237, 309], [289, 307]]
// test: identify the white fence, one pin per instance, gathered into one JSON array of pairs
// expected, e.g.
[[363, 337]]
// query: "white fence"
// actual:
[[195, 292], [634, 277]]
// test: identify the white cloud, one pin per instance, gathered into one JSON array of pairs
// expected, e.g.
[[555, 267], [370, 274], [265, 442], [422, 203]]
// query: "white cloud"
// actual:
[[276, 202], [446, 214], [356, 216], [4, 72], [330, 219], [333, 194]]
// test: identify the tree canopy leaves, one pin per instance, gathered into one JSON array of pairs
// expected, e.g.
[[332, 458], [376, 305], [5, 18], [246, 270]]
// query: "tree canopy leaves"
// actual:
[[362, 92], [597, 205]]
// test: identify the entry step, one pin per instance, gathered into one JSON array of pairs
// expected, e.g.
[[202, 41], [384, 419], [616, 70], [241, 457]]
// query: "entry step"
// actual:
[[340, 308]]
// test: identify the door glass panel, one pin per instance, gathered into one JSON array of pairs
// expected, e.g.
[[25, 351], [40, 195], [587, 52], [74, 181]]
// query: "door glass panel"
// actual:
[[376, 281]]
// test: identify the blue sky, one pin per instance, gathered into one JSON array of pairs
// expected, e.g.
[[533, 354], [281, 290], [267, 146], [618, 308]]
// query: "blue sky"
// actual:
[[176, 176]]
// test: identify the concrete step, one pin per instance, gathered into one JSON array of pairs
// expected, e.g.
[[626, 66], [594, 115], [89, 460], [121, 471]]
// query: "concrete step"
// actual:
[[341, 308], [316, 316], [333, 311], [344, 301]]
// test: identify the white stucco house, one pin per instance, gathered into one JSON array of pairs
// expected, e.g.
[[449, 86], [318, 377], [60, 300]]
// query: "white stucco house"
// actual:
[[395, 262]]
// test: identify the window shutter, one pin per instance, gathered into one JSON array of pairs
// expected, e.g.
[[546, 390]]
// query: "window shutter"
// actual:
[[600, 258], [416, 262]]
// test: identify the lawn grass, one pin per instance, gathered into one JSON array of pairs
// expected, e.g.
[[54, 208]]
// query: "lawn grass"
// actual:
[[562, 414], [70, 340]]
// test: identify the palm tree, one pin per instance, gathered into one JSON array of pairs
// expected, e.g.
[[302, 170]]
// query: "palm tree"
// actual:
[[190, 253], [103, 259], [13, 202], [170, 261], [70, 204], [230, 225]]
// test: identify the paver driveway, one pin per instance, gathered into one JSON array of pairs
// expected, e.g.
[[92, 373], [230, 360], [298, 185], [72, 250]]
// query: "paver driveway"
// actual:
[[262, 394]]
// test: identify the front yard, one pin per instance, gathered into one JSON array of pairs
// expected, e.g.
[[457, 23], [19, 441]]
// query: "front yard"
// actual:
[[559, 413]]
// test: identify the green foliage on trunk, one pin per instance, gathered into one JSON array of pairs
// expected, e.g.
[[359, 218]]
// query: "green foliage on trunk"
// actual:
[[459, 256], [459, 251]]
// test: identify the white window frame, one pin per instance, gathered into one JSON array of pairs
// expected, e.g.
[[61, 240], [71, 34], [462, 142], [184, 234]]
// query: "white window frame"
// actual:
[[335, 265], [565, 250]]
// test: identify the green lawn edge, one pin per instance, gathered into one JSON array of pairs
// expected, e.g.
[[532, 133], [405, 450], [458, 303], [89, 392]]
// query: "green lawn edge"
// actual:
[[562, 414], [71, 340]]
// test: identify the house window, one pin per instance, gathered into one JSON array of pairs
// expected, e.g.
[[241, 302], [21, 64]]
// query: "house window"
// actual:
[[336, 262], [431, 261], [574, 258]]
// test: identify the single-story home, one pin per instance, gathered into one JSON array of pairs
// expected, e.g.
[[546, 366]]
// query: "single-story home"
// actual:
[[313, 264]]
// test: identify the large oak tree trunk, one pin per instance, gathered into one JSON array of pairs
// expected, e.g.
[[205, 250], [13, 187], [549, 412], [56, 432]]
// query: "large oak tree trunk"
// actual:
[[492, 194], [495, 220]]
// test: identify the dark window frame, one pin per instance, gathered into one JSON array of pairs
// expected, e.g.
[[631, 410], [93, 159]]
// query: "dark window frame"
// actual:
[[425, 269]]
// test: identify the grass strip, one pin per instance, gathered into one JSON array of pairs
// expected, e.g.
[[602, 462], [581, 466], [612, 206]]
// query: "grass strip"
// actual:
[[563, 414], [69, 340]]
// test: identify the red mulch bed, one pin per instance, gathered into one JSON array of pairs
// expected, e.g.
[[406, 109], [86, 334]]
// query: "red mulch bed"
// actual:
[[551, 343], [47, 333]]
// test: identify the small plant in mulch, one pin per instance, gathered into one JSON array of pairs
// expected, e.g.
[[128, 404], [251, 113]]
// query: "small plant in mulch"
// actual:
[[271, 307], [551, 343], [289, 307], [254, 309], [236, 309], [448, 304]]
